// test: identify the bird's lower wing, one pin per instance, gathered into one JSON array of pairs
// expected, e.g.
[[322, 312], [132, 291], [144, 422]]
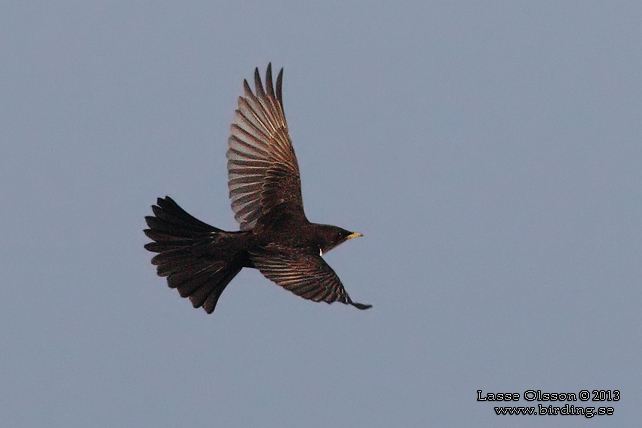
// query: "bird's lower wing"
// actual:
[[305, 274]]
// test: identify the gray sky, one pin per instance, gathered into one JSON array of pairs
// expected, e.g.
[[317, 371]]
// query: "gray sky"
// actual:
[[489, 152]]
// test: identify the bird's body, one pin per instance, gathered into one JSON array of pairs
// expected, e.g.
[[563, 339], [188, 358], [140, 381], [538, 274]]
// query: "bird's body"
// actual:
[[275, 237]]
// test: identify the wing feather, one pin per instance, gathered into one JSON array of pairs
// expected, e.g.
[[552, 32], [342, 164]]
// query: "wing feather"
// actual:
[[263, 171], [304, 274]]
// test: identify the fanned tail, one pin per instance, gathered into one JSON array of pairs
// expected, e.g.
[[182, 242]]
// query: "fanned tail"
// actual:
[[184, 245]]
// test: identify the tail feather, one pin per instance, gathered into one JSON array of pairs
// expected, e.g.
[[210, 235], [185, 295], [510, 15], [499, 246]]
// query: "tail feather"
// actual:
[[215, 292], [196, 277], [169, 211], [182, 244], [209, 290]]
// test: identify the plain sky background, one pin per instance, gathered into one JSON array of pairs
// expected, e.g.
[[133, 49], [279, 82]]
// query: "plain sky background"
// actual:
[[489, 151]]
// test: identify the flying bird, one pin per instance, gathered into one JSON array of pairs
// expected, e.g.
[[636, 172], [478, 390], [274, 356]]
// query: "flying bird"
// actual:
[[275, 235]]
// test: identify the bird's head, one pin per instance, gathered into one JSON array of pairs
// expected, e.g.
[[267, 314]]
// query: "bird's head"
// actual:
[[329, 237]]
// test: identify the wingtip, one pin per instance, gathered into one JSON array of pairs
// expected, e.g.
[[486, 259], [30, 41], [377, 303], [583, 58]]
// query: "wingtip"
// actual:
[[269, 86], [258, 84], [361, 306], [247, 89], [279, 87]]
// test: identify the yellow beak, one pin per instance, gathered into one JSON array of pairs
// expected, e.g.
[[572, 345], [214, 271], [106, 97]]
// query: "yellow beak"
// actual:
[[354, 235]]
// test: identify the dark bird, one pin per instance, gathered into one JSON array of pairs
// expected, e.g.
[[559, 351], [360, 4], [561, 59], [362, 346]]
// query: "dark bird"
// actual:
[[276, 237]]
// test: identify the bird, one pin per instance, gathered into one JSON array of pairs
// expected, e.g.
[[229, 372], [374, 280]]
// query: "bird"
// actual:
[[275, 235]]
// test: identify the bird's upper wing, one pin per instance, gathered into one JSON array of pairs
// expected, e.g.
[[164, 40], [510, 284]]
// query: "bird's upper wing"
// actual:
[[262, 169], [305, 274]]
